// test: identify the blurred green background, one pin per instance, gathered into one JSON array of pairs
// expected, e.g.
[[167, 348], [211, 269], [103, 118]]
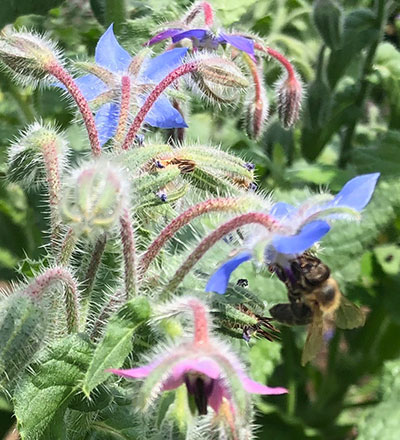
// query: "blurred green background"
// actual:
[[347, 53]]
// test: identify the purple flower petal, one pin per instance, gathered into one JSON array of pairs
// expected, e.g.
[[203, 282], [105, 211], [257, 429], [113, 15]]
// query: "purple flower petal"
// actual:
[[135, 373], [217, 394], [199, 34], [356, 193], [220, 279], [257, 388], [281, 210], [107, 121], [91, 86], [110, 54], [164, 115], [303, 240], [160, 66], [241, 43], [205, 366], [163, 36]]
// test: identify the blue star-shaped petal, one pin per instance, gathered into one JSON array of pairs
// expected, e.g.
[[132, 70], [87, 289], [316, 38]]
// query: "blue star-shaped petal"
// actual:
[[109, 55]]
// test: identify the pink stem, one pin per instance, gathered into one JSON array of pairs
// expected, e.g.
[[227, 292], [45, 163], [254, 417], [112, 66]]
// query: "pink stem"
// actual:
[[208, 13], [152, 98], [51, 162], [59, 274], [258, 98], [129, 251], [62, 75], [124, 108], [200, 319], [209, 241], [279, 57], [221, 204], [207, 10]]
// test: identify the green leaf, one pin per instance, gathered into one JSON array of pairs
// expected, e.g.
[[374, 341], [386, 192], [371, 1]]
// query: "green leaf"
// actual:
[[329, 21], [360, 30], [316, 114], [41, 398], [22, 329], [383, 420], [11, 9], [117, 342]]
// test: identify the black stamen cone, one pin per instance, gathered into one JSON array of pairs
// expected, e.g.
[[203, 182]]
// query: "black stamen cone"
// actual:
[[201, 391]]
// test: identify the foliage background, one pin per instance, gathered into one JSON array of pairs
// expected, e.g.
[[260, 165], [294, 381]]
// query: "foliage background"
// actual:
[[350, 125]]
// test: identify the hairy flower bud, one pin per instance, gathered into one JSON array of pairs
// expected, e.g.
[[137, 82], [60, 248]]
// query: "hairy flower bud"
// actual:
[[40, 148], [28, 56], [93, 198], [217, 79], [289, 91]]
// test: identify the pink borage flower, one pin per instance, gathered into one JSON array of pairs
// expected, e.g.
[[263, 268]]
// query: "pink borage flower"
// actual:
[[210, 372]]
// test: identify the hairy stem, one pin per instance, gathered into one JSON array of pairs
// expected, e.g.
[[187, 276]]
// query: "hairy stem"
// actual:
[[200, 321], [221, 204], [207, 10], [154, 95], [67, 247], [93, 267], [124, 109], [129, 251], [50, 157], [65, 78], [279, 57], [209, 241], [347, 141], [55, 275], [259, 104]]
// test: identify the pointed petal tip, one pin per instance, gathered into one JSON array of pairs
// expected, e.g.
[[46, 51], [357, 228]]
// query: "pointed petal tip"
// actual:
[[218, 282], [357, 192]]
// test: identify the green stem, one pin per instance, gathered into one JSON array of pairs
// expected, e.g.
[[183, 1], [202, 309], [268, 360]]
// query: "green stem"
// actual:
[[67, 247], [345, 151], [115, 12]]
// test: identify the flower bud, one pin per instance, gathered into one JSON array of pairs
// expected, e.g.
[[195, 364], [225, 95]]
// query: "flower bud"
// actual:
[[41, 147], [28, 56], [93, 199], [289, 91], [217, 79]]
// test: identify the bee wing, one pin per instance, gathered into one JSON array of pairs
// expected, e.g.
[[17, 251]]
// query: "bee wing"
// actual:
[[348, 315], [314, 339]]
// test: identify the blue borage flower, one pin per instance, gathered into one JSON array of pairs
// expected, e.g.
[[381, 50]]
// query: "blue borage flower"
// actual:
[[205, 39], [299, 228], [104, 85]]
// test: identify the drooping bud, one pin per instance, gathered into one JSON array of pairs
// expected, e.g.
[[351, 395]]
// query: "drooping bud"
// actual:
[[40, 148], [39, 156], [217, 79], [28, 56], [289, 92], [93, 199]]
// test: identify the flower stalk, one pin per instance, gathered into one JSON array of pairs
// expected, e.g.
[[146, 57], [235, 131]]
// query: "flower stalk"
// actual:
[[54, 275], [124, 109], [184, 69], [213, 205], [129, 253], [251, 218], [65, 78]]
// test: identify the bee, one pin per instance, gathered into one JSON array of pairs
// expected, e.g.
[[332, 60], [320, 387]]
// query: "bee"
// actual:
[[314, 295]]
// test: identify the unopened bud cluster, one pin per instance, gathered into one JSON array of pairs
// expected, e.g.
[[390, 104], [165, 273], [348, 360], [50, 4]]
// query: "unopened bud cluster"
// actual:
[[93, 198]]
